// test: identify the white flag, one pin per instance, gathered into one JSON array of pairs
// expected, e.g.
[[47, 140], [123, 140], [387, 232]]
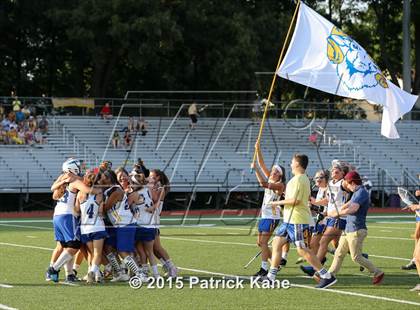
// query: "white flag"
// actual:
[[321, 56]]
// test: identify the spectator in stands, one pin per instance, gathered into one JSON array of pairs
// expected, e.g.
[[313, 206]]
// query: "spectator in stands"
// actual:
[[25, 110], [20, 116], [115, 139], [13, 136], [127, 138], [193, 114], [142, 126], [43, 125], [2, 112], [106, 112], [16, 104], [32, 123], [5, 123], [38, 138], [3, 136]]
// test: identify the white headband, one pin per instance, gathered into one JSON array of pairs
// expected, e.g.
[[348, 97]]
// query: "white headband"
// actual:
[[278, 168]]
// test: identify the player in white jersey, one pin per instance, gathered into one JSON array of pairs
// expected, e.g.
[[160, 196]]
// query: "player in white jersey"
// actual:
[[159, 187], [65, 224], [273, 182], [144, 209], [336, 198], [92, 227], [124, 228]]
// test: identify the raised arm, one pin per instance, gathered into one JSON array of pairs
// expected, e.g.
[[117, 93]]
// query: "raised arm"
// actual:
[[80, 186], [113, 199], [260, 161]]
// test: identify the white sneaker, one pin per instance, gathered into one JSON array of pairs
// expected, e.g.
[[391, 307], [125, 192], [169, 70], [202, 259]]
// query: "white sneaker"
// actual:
[[143, 277], [90, 277], [99, 278], [85, 278], [173, 272], [416, 288], [121, 277]]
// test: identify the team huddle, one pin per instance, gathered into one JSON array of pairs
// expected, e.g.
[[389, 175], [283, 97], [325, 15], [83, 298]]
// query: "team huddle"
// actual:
[[108, 218], [340, 205]]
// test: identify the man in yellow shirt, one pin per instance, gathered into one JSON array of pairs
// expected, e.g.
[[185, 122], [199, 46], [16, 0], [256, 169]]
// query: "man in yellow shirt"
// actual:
[[297, 217]]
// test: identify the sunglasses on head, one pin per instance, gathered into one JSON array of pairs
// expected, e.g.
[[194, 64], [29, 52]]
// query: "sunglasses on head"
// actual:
[[319, 178]]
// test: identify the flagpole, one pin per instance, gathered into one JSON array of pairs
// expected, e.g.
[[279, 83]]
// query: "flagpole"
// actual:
[[274, 79]]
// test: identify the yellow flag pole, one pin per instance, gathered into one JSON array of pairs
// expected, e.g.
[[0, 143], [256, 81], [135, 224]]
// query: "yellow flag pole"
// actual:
[[274, 79]]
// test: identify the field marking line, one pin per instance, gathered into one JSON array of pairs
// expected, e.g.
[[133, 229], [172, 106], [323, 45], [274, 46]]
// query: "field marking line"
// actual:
[[6, 307], [5, 285], [26, 246], [401, 301], [26, 226]]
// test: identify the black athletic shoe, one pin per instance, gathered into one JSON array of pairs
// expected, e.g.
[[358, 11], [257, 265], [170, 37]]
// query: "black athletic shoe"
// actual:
[[324, 283], [309, 270], [365, 255], [324, 260], [52, 274], [409, 266], [71, 278], [283, 262], [261, 273]]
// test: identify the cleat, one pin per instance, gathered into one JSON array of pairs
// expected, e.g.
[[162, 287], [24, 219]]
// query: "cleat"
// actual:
[[261, 273], [90, 277], [283, 262], [99, 278], [143, 277], [378, 278], [323, 260], [324, 283], [71, 278], [409, 266], [52, 274], [309, 270], [120, 277], [173, 272], [416, 288], [300, 260], [365, 255]]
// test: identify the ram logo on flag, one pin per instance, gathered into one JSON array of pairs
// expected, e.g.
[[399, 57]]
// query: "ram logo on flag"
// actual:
[[356, 68], [323, 57]]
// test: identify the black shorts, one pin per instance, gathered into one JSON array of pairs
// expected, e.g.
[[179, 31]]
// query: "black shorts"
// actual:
[[193, 118]]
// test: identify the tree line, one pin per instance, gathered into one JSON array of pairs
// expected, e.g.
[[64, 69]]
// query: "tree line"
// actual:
[[102, 48]]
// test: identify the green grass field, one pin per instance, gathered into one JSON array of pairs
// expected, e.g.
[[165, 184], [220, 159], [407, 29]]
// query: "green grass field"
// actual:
[[214, 249]]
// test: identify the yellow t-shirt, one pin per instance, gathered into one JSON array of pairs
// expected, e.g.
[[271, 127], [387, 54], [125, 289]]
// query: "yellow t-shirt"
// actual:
[[298, 187]]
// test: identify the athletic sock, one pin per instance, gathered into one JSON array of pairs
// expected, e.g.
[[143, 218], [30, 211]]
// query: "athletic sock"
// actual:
[[163, 261], [68, 267], [131, 264], [272, 273], [284, 255], [155, 270], [324, 273], [94, 269], [413, 261], [265, 265], [76, 267], [62, 259], [114, 263]]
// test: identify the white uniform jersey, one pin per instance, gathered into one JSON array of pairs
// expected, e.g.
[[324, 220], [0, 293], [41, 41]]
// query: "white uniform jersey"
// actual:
[[144, 218], [156, 214], [268, 211], [337, 197], [321, 194], [91, 220], [66, 203], [119, 214]]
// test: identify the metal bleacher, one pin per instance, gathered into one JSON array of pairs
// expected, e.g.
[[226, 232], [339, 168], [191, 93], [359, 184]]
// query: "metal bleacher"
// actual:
[[215, 155]]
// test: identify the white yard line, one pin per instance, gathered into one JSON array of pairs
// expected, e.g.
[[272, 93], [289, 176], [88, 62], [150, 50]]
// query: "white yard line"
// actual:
[[6, 307], [26, 226], [6, 285]]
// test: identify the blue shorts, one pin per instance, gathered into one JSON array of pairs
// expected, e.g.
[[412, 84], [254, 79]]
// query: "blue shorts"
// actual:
[[124, 237], [417, 218], [145, 234], [337, 223], [66, 228], [267, 225], [297, 233], [112, 237], [98, 235], [318, 229]]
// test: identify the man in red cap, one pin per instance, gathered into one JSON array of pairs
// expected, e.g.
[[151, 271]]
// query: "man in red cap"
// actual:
[[355, 231]]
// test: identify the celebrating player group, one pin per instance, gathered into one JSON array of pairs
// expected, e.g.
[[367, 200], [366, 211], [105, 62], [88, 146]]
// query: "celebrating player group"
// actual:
[[339, 208], [108, 218]]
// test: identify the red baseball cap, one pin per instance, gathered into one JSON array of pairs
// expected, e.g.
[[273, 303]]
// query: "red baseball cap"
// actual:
[[353, 176]]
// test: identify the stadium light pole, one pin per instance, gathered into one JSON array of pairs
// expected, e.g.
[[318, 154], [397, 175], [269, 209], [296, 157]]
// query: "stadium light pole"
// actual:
[[406, 50]]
